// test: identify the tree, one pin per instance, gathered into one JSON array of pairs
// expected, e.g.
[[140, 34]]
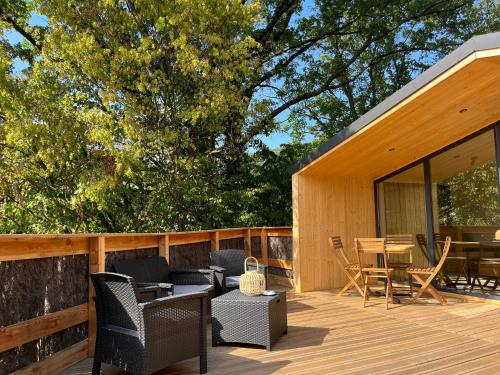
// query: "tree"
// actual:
[[142, 115]]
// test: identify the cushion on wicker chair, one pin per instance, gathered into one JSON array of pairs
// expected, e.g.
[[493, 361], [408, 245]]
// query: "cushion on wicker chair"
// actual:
[[186, 289], [232, 281]]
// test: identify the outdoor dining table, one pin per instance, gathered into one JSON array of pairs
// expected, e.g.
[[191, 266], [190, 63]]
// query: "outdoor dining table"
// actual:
[[399, 249], [469, 247]]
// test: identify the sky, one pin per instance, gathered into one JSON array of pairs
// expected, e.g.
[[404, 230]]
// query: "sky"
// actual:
[[273, 141]]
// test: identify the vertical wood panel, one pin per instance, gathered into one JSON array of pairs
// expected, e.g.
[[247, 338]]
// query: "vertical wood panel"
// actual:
[[328, 206], [248, 243], [97, 263], [296, 206], [164, 247], [214, 240], [263, 244]]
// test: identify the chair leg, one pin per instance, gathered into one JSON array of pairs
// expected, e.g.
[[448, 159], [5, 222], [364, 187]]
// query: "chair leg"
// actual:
[[365, 291], [351, 283], [387, 292], [411, 285], [96, 367], [391, 289], [421, 290], [203, 363], [427, 286]]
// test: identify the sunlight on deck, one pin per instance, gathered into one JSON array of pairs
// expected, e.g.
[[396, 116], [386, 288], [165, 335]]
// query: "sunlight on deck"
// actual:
[[333, 335]]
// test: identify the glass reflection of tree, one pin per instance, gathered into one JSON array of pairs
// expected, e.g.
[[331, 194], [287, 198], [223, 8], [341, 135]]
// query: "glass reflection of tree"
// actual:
[[470, 197]]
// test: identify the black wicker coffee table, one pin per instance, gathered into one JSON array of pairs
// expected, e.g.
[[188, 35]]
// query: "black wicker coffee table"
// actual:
[[237, 318]]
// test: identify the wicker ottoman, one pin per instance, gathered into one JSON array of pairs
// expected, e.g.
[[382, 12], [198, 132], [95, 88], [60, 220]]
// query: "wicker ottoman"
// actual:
[[237, 318]]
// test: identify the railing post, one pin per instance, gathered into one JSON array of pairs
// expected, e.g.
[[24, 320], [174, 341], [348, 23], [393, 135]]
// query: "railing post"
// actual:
[[248, 243], [263, 246], [214, 241], [164, 247], [97, 248]]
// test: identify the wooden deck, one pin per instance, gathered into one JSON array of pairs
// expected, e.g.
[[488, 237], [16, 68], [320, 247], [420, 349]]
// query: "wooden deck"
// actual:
[[334, 335]]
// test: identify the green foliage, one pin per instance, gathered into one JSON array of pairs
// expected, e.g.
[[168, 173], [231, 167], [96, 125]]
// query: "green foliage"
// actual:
[[147, 115], [470, 197]]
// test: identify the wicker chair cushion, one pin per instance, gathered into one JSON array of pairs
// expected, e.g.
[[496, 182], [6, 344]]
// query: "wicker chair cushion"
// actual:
[[186, 289], [232, 281]]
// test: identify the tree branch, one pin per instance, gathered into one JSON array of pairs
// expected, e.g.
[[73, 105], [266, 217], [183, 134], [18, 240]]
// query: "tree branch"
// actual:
[[11, 21]]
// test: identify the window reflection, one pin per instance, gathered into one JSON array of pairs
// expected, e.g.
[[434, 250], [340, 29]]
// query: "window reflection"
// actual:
[[465, 207]]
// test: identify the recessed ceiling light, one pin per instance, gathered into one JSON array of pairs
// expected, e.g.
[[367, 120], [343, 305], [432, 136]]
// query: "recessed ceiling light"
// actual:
[[392, 149], [463, 110]]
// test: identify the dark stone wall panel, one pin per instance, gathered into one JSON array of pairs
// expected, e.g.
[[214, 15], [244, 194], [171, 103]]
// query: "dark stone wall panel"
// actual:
[[195, 255], [128, 254], [280, 247], [256, 248], [36, 287], [233, 243]]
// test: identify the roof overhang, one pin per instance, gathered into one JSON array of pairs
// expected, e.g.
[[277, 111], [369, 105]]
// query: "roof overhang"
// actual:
[[454, 98]]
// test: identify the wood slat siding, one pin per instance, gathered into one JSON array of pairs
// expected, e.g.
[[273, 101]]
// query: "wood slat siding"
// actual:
[[323, 207], [32, 256]]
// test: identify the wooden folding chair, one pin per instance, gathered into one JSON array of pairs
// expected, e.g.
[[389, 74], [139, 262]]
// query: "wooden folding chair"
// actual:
[[400, 239], [459, 264], [430, 272], [373, 246], [351, 270], [488, 269]]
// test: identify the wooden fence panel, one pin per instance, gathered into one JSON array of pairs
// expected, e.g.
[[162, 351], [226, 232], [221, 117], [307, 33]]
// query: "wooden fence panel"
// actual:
[[45, 285], [37, 287]]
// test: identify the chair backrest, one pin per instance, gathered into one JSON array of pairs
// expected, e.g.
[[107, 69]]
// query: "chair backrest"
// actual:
[[422, 244], [116, 300], [231, 259], [399, 239], [446, 250], [151, 269], [370, 246], [338, 250]]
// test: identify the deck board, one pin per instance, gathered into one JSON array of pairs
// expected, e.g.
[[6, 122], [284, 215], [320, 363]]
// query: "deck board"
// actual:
[[334, 335]]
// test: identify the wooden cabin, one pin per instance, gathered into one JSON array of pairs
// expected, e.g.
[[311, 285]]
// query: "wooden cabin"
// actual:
[[424, 161]]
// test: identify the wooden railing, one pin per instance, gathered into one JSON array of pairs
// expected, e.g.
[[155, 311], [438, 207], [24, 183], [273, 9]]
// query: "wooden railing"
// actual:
[[96, 247]]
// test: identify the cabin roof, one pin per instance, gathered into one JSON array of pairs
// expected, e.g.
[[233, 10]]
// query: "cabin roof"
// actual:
[[473, 45]]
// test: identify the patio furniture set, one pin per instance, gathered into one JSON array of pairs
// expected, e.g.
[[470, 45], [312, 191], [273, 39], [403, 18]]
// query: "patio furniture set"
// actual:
[[361, 272], [473, 261], [150, 316]]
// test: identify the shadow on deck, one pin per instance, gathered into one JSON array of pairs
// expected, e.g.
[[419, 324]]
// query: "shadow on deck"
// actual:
[[333, 335]]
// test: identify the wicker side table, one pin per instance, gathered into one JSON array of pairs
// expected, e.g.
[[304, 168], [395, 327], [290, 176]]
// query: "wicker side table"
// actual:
[[237, 318]]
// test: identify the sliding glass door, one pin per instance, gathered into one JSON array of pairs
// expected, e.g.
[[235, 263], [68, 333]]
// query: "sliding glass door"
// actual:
[[454, 193], [465, 183], [401, 210]]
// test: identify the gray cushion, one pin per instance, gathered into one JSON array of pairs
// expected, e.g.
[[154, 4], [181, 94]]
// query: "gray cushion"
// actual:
[[186, 289], [232, 281]]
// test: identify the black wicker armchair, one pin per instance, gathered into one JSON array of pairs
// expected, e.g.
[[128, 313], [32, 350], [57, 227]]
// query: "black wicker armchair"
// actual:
[[156, 271], [143, 338], [228, 266]]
